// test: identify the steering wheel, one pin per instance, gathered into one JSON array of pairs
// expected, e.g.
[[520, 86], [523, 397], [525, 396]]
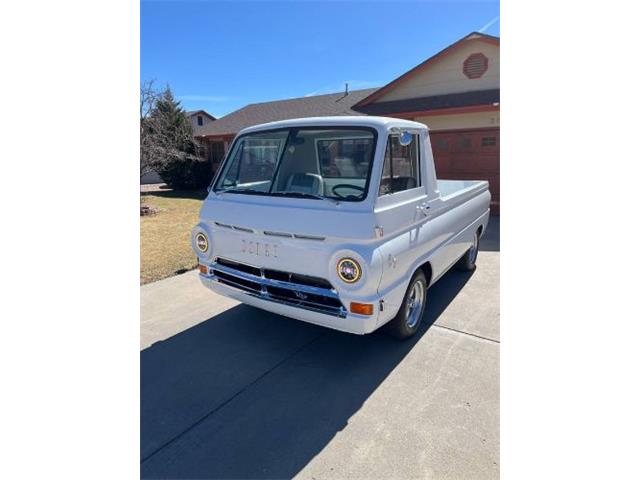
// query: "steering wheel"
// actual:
[[345, 185]]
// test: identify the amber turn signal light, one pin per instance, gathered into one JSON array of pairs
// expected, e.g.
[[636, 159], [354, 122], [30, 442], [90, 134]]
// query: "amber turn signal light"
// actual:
[[362, 308], [203, 269]]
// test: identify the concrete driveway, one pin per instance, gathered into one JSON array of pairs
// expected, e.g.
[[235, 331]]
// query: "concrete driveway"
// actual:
[[229, 391]]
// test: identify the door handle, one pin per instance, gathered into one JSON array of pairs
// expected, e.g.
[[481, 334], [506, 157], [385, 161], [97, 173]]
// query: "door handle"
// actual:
[[423, 208]]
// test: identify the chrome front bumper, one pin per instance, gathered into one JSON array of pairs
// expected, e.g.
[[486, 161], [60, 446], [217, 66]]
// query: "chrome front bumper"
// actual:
[[285, 288]]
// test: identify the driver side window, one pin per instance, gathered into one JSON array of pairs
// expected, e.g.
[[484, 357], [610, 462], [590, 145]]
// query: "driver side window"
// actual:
[[401, 166]]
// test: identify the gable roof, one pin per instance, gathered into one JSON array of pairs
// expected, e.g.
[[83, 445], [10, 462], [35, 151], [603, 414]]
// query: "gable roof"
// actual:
[[195, 112], [333, 104], [427, 63]]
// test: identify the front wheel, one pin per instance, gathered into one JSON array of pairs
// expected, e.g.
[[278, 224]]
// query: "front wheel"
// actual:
[[468, 261], [406, 322]]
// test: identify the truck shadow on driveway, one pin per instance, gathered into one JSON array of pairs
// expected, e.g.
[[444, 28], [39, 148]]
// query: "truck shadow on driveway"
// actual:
[[249, 394], [491, 239]]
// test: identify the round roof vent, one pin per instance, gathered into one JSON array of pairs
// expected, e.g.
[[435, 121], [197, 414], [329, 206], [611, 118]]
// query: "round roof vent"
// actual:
[[475, 65]]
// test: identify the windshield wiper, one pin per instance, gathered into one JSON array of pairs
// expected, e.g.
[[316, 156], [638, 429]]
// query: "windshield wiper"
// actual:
[[298, 195], [248, 191]]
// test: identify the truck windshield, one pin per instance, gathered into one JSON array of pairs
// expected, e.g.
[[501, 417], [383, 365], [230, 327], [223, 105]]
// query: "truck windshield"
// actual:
[[310, 162]]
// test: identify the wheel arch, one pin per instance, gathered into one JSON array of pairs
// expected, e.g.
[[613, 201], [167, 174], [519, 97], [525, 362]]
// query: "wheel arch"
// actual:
[[427, 270]]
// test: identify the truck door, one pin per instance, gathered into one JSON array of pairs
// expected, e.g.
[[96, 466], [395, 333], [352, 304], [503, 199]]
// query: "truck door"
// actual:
[[402, 207], [402, 195]]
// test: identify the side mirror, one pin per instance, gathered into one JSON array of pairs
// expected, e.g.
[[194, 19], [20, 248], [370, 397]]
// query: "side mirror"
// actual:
[[405, 138]]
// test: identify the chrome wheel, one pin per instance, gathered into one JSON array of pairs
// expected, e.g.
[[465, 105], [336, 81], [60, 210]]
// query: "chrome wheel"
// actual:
[[415, 302], [473, 251]]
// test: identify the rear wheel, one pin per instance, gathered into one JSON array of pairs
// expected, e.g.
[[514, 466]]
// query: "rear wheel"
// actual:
[[406, 322], [468, 261]]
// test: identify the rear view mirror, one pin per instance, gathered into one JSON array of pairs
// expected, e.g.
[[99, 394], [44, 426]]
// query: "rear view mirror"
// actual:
[[405, 138]]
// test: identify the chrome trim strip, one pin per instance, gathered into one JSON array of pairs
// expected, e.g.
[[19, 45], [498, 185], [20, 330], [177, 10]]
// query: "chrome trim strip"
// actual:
[[271, 233], [234, 227], [278, 234], [241, 229], [293, 235], [308, 237]]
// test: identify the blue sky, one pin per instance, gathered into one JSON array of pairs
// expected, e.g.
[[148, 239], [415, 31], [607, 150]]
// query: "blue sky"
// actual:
[[221, 55]]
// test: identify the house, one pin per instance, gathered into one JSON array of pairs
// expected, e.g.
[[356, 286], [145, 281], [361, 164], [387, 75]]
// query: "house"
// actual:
[[456, 93], [199, 118]]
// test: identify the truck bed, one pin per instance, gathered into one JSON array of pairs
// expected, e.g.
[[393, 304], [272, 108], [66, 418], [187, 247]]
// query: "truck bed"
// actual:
[[452, 188], [457, 191]]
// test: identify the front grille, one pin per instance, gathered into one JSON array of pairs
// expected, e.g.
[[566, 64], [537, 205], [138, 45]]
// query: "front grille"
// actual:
[[243, 267], [303, 291], [239, 282], [304, 297], [296, 278]]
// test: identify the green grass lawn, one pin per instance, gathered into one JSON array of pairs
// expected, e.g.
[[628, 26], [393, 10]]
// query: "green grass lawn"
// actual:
[[165, 238]]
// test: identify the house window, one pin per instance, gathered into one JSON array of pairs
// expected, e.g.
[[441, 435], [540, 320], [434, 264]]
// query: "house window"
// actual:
[[401, 166], [217, 152], [200, 120], [488, 141]]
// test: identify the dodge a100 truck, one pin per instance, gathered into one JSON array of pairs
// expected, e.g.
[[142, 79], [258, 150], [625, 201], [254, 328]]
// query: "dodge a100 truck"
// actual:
[[337, 221]]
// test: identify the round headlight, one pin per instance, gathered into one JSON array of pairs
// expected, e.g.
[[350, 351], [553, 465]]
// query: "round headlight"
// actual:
[[202, 242], [349, 270]]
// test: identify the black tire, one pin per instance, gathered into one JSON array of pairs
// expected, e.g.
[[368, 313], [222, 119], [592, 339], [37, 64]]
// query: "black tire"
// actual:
[[467, 262], [407, 322]]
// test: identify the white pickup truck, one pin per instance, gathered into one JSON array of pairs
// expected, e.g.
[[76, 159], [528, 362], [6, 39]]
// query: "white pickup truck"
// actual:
[[337, 221]]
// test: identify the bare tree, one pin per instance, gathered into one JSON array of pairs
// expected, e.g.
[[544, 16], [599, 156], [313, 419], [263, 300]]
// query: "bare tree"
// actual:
[[149, 147], [148, 97]]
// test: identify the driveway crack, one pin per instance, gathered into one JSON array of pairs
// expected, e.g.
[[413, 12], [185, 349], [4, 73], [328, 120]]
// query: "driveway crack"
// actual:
[[492, 340]]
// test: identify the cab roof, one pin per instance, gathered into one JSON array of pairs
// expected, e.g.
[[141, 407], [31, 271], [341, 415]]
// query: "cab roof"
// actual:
[[338, 121]]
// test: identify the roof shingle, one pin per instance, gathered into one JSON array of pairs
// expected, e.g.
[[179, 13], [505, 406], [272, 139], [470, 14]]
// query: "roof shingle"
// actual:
[[314, 106]]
